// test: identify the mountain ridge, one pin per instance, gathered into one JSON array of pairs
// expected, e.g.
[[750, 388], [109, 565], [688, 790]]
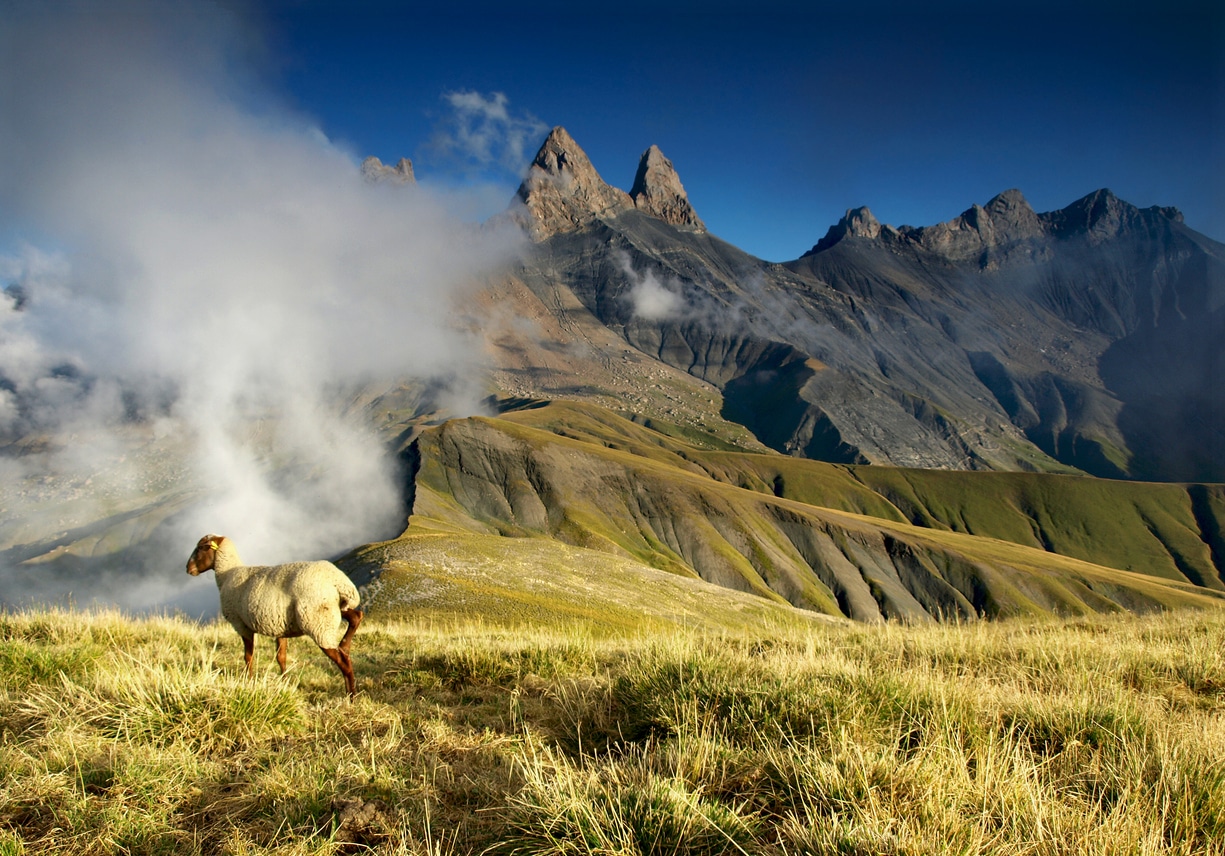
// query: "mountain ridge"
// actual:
[[1001, 339], [1005, 220]]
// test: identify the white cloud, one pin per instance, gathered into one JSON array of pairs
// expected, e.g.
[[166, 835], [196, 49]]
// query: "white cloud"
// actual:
[[650, 299], [654, 302], [480, 133], [217, 262]]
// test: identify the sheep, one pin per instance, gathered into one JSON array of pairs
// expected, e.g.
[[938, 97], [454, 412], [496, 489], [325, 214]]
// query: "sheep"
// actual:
[[297, 599]]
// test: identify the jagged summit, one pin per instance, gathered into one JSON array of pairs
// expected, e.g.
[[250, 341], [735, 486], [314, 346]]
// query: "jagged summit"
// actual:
[[856, 223], [563, 191], [1006, 220], [1011, 216], [1103, 215], [658, 191], [1006, 227], [374, 171]]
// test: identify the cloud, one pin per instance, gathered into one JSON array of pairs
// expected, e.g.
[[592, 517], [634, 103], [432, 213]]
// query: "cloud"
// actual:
[[202, 278], [480, 133], [652, 301]]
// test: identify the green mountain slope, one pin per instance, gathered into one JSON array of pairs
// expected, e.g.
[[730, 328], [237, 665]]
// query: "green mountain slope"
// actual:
[[1167, 530], [820, 537], [450, 576]]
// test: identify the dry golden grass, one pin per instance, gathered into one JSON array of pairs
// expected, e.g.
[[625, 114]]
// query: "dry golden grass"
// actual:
[[1097, 735]]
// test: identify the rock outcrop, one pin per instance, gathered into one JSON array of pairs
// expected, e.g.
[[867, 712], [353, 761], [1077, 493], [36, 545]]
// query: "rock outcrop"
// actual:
[[375, 171], [1005, 220], [658, 191], [856, 223], [563, 191]]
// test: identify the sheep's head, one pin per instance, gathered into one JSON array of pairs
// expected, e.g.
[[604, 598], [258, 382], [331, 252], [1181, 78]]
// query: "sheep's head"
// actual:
[[205, 554]]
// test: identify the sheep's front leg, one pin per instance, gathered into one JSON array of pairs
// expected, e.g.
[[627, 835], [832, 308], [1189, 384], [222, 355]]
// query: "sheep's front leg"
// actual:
[[282, 652], [342, 661], [248, 653]]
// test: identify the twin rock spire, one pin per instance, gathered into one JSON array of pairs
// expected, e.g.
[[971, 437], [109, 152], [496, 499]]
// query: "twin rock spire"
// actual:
[[563, 191]]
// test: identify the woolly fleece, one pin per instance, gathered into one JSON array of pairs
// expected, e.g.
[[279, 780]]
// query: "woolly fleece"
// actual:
[[295, 599]]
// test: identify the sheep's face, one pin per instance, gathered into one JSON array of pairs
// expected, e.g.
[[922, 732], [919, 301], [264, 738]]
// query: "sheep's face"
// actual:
[[204, 555]]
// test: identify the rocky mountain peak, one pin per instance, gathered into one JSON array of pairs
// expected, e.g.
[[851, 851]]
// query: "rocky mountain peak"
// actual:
[[657, 191], [1101, 216], [375, 171], [1006, 219], [563, 191], [856, 223], [989, 233], [1012, 217]]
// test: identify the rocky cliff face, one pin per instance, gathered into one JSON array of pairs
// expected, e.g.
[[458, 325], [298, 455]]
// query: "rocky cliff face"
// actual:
[[657, 191], [563, 191]]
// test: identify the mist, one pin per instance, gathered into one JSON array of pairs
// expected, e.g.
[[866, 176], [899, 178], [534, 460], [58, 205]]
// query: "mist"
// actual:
[[199, 294]]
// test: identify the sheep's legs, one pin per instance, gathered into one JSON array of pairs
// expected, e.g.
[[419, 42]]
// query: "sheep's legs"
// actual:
[[354, 617], [342, 661], [248, 653], [282, 652]]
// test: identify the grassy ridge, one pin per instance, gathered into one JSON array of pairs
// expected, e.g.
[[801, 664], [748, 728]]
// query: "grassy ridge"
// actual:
[[1092, 736], [1165, 530], [588, 478]]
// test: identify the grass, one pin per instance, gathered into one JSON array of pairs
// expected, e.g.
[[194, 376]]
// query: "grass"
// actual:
[[641, 496], [1094, 735], [514, 582], [1136, 526]]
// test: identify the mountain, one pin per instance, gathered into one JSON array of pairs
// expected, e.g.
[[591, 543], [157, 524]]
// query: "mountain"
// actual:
[[1081, 339], [375, 171], [1010, 413]]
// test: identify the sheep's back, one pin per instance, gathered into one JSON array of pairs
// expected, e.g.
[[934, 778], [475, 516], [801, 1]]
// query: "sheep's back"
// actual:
[[295, 599]]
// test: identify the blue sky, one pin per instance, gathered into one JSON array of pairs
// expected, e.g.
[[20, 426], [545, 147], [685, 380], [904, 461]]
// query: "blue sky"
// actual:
[[779, 119]]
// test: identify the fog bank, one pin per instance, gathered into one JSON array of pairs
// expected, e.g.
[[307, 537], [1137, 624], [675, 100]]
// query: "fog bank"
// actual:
[[197, 282]]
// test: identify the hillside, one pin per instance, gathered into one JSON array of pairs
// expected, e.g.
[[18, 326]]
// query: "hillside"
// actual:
[[823, 538]]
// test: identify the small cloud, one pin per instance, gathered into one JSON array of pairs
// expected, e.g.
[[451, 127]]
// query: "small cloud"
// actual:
[[652, 301], [480, 133]]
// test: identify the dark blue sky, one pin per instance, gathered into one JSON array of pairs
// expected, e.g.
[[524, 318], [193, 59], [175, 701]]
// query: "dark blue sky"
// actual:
[[778, 119]]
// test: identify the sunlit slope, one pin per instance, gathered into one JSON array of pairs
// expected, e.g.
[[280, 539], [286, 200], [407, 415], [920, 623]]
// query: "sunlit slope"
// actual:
[[588, 478], [1168, 530], [451, 576]]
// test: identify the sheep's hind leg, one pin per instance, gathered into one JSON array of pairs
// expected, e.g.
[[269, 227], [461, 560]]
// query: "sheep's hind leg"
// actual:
[[354, 617], [282, 652], [342, 661], [248, 653]]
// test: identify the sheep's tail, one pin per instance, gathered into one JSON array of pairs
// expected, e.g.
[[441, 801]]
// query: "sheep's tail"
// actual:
[[349, 598]]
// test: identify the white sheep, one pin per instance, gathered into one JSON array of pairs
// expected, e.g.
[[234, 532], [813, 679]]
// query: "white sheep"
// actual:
[[297, 599]]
